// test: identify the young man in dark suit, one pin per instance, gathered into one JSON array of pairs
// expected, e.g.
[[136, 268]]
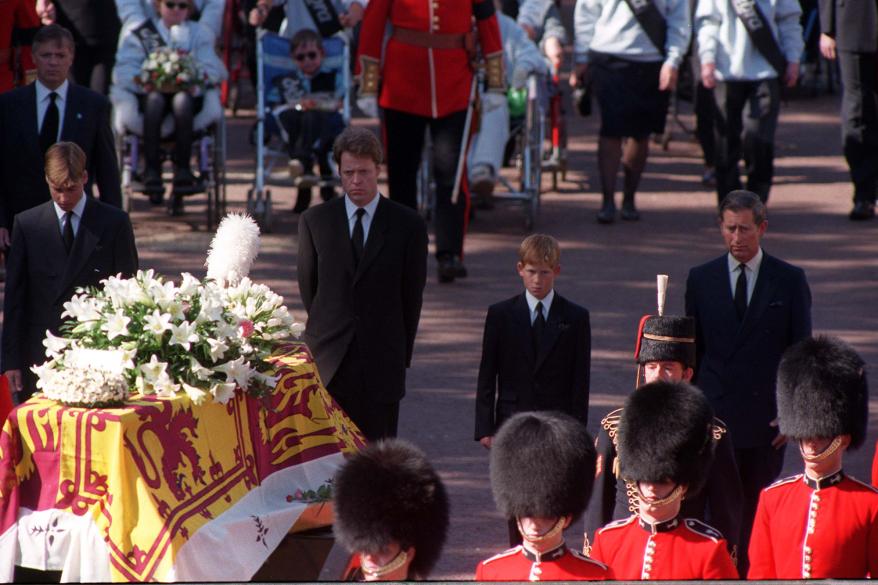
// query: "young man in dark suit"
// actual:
[[69, 242], [849, 33], [749, 307], [362, 267], [31, 120]]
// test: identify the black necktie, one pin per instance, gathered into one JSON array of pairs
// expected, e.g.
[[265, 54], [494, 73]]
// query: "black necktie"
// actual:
[[741, 293], [539, 325], [49, 131], [67, 233], [358, 238]]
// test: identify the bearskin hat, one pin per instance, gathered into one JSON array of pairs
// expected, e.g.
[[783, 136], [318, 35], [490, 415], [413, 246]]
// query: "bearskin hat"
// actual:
[[822, 391], [666, 433], [542, 464], [668, 338], [389, 492]]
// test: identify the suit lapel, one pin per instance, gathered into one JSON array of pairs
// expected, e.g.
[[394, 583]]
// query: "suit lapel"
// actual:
[[725, 301], [31, 134], [762, 293], [87, 237], [557, 313], [52, 242], [375, 239], [521, 319], [72, 115]]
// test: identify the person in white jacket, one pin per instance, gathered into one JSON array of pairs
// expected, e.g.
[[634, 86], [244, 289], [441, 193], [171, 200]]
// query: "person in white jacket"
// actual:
[[209, 13], [746, 85], [154, 112], [486, 151]]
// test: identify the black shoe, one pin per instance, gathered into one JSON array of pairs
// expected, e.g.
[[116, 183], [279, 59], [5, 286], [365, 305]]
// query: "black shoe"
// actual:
[[175, 205], [629, 212], [447, 270], [862, 210], [607, 214], [459, 268], [152, 185], [185, 183]]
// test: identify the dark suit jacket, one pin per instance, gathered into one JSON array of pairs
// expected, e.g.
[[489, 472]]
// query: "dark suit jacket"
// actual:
[[22, 168], [737, 363], [41, 277], [514, 379], [376, 305], [852, 23]]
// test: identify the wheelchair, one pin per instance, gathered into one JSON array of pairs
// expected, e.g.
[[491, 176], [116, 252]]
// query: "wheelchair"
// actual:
[[274, 61], [208, 148]]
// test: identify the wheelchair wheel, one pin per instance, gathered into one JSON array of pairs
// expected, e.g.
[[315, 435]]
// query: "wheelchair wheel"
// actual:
[[532, 161], [216, 188]]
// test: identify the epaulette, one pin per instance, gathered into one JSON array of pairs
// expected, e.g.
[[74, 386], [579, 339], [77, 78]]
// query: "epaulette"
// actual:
[[700, 528], [863, 483], [582, 557], [784, 481], [507, 553], [719, 429], [610, 423], [618, 523]]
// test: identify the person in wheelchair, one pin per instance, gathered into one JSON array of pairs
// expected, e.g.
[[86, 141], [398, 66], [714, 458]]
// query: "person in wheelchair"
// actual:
[[310, 116], [488, 145], [541, 20], [188, 103]]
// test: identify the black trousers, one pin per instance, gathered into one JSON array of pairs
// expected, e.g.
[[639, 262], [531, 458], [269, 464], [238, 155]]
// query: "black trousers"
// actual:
[[376, 420], [704, 132], [758, 468], [93, 67], [155, 106], [745, 121], [859, 116], [404, 141]]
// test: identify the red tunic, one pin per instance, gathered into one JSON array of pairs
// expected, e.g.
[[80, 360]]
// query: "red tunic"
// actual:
[[15, 14], [561, 564], [676, 549], [418, 80], [804, 530], [875, 466]]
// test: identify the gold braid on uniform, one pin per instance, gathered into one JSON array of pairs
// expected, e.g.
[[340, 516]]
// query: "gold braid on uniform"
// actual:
[[554, 531], [610, 423], [398, 561], [718, 429], [369, 76], [832, 448], [495, 75], [632, 491]]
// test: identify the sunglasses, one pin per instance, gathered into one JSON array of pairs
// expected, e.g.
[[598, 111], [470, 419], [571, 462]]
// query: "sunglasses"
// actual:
[[179, 5], [302, 56]]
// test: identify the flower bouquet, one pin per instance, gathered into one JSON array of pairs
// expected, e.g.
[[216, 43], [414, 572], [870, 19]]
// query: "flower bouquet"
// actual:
[[202, 337], [171, 70]]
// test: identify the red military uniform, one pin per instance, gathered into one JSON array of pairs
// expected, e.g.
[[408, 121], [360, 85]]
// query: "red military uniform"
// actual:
[[676, 549], [805, 529], [561, 564], [20, 15], [875, 466], [432, 82]]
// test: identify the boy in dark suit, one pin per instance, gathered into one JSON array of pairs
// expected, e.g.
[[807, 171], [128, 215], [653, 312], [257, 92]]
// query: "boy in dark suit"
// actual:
[[536, 351], [69, 242]]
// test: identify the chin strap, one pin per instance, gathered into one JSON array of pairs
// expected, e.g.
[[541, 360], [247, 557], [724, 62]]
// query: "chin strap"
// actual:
[[554, 531], [676, 494], [397, 562], [832, 448]]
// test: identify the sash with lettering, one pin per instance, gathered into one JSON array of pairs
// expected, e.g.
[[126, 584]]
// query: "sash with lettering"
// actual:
[[149, 36], [651, 21], [324, 15], [760, 33]]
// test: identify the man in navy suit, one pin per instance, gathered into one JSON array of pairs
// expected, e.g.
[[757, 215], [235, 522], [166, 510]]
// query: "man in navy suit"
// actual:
[[748, 307], [69, 242], [52, 109]]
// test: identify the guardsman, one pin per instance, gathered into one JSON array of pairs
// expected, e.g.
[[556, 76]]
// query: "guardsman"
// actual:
[[391, 512], [18, 24], [666, 351], [665, 446], [822, 524], [426, 82], [542, 467]]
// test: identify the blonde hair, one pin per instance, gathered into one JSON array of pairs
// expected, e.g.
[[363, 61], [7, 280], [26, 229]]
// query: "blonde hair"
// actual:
[[540, 249], [65, 163]]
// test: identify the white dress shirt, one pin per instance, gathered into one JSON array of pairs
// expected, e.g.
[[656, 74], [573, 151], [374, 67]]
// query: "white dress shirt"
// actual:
[[532, 304], [43, 103], [351, 210], [752, 268], [77, 214]]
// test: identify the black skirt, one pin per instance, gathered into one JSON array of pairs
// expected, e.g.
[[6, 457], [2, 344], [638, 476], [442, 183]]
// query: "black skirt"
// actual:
[[629, 97]]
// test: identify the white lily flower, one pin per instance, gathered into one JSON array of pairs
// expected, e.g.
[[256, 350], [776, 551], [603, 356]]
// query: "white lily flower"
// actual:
[[116, 325], [157, 322], [153, 369], [165, 387], [237, 370], [223, 391], [55, 346], [200, 371], [184, 334], [217, 349], [81, 308], [189, 285], [197, 395]]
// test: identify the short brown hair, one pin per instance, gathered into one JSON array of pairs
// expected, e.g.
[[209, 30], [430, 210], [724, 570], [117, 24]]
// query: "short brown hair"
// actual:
[[540, 249], [358, 142], [65, 163], [55, 34], [305, 36]]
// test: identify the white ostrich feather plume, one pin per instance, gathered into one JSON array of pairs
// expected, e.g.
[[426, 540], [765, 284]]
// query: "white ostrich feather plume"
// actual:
[[233, 249]]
